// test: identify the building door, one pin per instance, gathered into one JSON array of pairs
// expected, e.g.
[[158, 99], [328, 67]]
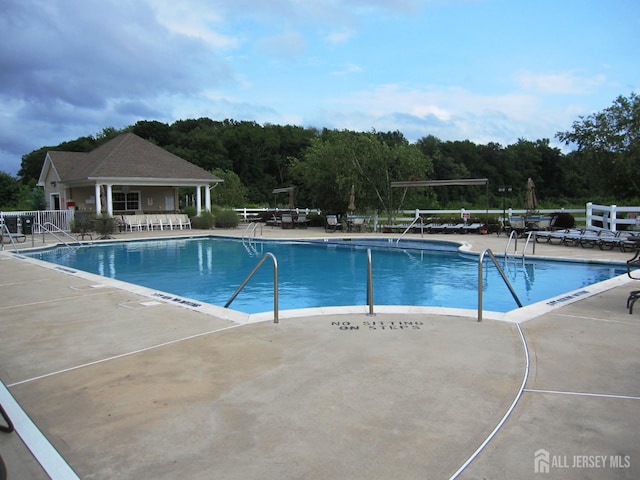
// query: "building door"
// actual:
[[55, 201]]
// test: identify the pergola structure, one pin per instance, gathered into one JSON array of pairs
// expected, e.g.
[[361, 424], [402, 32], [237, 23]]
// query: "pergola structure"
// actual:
[[445, 183], [290, 191]]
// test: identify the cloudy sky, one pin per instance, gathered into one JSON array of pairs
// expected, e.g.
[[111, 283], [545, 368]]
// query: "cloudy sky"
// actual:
[[483, 70]]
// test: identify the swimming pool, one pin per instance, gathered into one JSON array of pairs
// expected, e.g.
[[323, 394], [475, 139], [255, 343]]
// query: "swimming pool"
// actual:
[[326, 273]]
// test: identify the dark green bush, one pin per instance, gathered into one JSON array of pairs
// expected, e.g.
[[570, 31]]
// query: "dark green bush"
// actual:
[[227, 219], [316, 220], [190, 211], [563, 220], [82, 222], [204, 221]]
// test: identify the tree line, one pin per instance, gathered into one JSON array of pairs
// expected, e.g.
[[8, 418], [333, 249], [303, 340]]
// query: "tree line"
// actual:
[[325, 165]]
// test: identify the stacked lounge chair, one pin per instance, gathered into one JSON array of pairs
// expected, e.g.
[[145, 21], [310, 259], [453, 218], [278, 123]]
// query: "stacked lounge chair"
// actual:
[[587, 238]]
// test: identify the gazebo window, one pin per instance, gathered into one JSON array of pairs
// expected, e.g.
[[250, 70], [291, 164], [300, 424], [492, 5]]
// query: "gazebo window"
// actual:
[[126, 201]]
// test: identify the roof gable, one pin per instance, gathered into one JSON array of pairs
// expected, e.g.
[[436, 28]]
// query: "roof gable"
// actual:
[[127, 156]]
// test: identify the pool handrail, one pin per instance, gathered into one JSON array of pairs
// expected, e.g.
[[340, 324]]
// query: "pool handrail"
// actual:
[[369, 283], [275, 283], [52, 229], [487, 251], [4, 228], [416, 220]]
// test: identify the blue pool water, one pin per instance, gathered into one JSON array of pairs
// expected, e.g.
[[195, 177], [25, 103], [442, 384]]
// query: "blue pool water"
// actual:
[[314, 274]]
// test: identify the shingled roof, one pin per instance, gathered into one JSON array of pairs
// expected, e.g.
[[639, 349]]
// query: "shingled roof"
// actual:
[[126, 157]]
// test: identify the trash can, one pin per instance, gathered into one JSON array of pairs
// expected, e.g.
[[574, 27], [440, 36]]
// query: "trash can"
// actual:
[[27, 225]]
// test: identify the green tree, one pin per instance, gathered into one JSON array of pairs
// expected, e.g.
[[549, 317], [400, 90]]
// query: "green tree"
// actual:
[[336, 160], [31, 165], [154, 131], [10, 192], [231, 192], [608, 144]]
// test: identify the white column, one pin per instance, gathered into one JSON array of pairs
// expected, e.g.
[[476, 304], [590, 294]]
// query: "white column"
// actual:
[[98, 204], [198, 200], [207, 198], [110, 200]]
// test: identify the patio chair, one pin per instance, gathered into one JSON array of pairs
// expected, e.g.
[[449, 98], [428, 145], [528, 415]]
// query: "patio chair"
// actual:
[[438, 227], [9, 229], [620, 240], [632, 265], [517, 224], [454, 228], [287, 220], [590, 238], [332, 224], [472, 227], [301, 221]]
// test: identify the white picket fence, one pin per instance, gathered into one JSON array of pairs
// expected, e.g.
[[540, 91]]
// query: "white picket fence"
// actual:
[[607, 216], [60, 218]]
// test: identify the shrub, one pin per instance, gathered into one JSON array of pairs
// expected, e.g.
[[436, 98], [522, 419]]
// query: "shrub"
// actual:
[[190, 211], [82, 222], [226, 219], [563, 220], [204, 221], [316, 220]]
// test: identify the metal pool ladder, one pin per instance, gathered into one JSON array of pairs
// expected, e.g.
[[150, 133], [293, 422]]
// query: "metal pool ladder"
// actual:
[[487, 251], [275, 283], [514, 236]]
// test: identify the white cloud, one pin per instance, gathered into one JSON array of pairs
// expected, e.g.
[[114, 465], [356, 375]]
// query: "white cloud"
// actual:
[[562, 83], [193, 19]]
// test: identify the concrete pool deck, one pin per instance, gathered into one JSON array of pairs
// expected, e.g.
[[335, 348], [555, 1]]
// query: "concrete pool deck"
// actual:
[[124, 386]]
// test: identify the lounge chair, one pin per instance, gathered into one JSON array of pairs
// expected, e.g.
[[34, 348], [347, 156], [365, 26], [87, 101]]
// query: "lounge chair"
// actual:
[[287, 220], [301, 221], [607, 239], [9, 229], [454, 228], [355, 224], [472, 227], [517, 224], [438, 227], [621, 240], [590, 238], [572, 236], [332, 224]]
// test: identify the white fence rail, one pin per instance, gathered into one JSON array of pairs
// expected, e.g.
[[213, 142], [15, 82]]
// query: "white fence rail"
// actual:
[[612, 216], [251, 214], [60, 218]]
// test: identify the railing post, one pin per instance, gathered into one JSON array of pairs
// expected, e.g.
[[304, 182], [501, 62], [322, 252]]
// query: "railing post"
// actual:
[[275, 284], [369, 282], [613, 218], [502, 274]]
